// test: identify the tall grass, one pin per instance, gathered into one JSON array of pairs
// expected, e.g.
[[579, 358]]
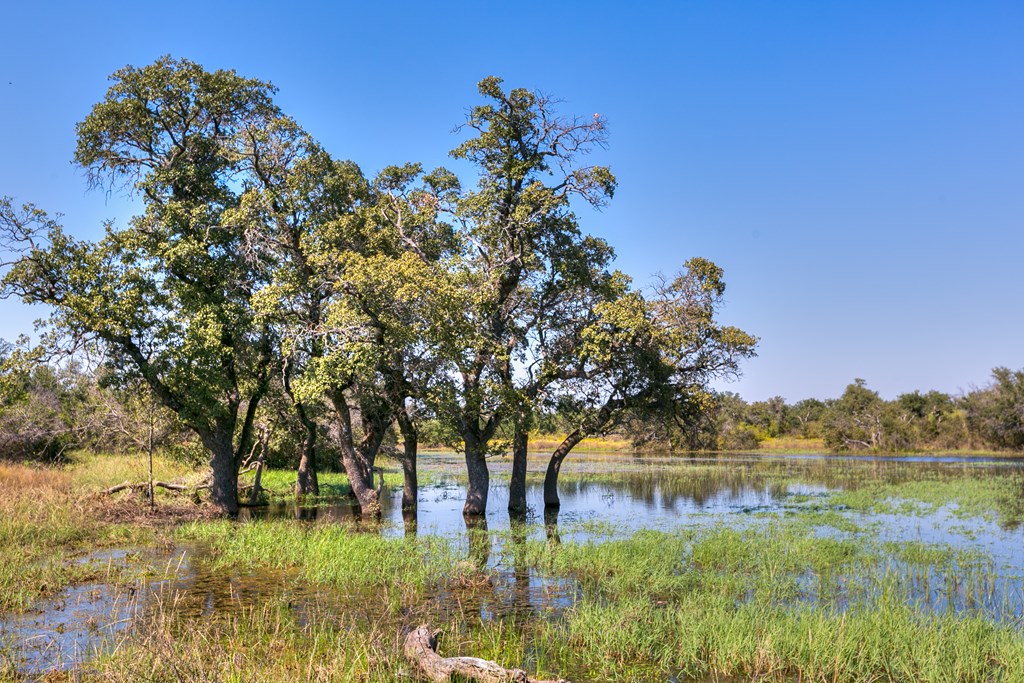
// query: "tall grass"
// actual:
[[50, 515]]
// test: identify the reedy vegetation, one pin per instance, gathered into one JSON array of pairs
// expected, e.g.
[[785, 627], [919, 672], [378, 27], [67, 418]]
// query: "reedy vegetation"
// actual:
[[774, 601]]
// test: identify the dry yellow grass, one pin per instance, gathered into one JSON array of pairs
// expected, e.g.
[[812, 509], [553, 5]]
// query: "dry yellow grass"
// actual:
[[793, 444], [49, 515], [18, 480]]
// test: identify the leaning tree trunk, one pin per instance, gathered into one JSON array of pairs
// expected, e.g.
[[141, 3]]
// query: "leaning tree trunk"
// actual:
[[410, 445], [517, 487], [359, 471], [224, 488], [479, 477], [421, 650], [555, 465]]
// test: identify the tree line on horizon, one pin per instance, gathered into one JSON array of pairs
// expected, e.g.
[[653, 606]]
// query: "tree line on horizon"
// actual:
[[268, 290], [989, 418], [47, 410]]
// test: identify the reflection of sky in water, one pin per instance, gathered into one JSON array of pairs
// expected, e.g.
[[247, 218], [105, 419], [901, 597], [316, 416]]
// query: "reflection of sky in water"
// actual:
[[601, 498]]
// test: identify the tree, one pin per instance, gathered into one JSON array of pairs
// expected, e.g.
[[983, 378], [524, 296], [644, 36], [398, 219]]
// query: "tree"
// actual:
[[169, 297], [304, 198], [353, 265], [808, 413], [855, 420], [996, 413], [653, 357], [771, 418], [515, 227]]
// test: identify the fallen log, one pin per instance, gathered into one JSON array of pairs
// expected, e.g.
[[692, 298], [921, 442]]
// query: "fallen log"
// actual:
[[421, 651], [142, 486]]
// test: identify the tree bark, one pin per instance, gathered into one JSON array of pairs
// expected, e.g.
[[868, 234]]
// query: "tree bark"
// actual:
[[600, 421], [479, 477], [421, 651], [224, 489], [410, 445], [307, 482], [148, 485], [360, 472], [360, 478], [517, 486], [254, 495], [555, 465]]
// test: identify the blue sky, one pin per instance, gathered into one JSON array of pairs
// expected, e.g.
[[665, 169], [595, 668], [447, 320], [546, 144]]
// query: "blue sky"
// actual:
[[855, 167]]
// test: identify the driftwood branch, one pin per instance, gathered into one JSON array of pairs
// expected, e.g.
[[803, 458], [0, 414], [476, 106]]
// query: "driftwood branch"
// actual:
[[421, 651]]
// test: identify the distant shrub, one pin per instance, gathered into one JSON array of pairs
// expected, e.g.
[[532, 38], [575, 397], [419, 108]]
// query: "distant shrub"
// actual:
[[741, 438]]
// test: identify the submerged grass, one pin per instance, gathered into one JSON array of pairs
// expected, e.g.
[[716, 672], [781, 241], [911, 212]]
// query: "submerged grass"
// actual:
[[334, 556], [993, 498], [279, 484]]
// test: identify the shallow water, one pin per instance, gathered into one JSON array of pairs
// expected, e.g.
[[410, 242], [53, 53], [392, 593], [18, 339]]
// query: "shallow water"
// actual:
[[602, 497]]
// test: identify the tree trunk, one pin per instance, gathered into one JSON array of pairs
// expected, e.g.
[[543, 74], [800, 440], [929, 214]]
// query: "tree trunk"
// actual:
[[360, 478], [410, 445], [257, 482], [224, 489], [479, 477], [555, 465], [360, 472], [307, 484], [517, 486]]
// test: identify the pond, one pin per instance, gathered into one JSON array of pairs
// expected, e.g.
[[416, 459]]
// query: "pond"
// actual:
[[926, 519]]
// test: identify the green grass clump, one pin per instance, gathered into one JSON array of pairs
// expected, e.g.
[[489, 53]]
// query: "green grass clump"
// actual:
[[697, 638], [333, 555], [279, 484], [987, 497]]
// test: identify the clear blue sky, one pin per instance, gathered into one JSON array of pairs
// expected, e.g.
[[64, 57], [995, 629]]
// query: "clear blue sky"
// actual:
[[856, 167]]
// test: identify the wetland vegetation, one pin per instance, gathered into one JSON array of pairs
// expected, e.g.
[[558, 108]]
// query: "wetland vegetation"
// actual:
[[654, 568]]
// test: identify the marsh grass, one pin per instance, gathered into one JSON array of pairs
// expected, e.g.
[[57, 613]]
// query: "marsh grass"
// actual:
[[336, 556], [50, 515], [991, 498], [279, 484], [805, 593], [775, 603]]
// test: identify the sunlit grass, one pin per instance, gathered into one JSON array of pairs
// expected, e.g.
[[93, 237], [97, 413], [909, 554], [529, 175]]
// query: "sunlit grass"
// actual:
[[804, 592], [768, 603], [49, 515]]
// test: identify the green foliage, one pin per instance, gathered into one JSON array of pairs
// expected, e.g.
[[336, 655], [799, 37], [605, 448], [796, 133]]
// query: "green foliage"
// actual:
[[741, 438], [861, 420], [168, 298], [996, 413]]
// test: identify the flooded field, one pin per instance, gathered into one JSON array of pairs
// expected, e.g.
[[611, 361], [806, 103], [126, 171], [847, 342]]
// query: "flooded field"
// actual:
[[794, 535]]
